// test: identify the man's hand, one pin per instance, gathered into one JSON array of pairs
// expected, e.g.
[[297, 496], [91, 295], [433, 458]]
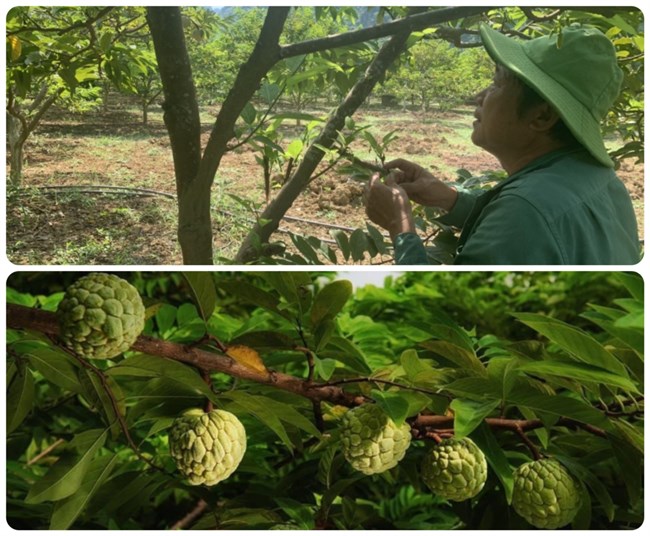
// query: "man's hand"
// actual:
[[420, 185], [387, 205]]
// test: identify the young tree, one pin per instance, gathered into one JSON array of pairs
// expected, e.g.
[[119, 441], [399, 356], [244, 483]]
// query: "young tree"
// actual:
[[290, 400], [56, 52]]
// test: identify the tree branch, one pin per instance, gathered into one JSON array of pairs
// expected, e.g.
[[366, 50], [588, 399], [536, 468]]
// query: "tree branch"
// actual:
[[21, 317], [408, 24]]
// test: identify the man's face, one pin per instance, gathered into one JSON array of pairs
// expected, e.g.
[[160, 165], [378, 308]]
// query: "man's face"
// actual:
[[498, 129]]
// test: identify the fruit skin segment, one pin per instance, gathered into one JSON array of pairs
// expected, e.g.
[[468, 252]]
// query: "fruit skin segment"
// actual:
[[545, 494], [100, 316], [207, 447], [455, 469], [371, 442]]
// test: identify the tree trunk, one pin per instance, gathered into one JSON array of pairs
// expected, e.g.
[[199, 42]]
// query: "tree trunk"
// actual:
[[181, 116], [195, 175]]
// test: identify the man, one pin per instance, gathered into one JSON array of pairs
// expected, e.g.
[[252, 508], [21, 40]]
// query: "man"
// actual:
[[562, 203]]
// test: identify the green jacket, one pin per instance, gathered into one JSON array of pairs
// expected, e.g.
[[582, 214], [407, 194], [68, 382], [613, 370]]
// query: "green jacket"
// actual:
[[563, 208]]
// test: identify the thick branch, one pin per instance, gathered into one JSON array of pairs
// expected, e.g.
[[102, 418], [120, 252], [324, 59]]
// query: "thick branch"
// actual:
[[407, 24], [20, 317]]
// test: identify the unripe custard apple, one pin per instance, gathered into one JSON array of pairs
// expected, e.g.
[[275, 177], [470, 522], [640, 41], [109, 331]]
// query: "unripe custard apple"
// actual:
[[371, 442], [455, 469], [207, 447], [545, 494], [100, 316]]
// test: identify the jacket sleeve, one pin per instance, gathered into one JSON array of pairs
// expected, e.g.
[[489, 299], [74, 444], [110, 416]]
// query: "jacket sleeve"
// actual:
[[511, 230], [456, 216], [409, 249]]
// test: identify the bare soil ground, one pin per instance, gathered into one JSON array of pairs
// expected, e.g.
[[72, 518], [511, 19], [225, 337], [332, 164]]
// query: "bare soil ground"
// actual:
[[115, 149]]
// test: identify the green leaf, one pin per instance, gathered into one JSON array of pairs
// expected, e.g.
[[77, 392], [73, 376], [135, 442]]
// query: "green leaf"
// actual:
[[150, 366], [20, 398], [68, 510], [323, 333], [579, 344], [358, 245], [577, 371], [324, 368], [475, 388], [346, 352], [203, 291], [469, 414], [342, 241], [56, 367], [454, 345], [559, 406], [294, 149], [271, 412], [165, 317], [96, 394], [629, 460], [249, 113], [330, 300], [400, 405], [252, 294], [68, 474], [496, 457], [269, 92], [633, 283], [295, 287]]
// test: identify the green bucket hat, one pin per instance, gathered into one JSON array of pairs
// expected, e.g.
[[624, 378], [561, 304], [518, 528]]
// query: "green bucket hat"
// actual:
[[577, 74]]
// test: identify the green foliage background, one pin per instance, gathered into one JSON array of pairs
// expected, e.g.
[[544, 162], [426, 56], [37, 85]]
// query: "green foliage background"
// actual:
[[565, 348]]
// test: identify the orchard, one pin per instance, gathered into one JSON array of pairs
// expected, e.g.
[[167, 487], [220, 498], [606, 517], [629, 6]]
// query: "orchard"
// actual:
[[299, 400]]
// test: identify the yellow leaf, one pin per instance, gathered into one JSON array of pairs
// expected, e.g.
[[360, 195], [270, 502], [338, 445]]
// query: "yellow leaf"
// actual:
[[244, 355], [16, 47]]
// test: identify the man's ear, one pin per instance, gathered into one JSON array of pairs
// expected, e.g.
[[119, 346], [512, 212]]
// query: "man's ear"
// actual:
[[543, 117]]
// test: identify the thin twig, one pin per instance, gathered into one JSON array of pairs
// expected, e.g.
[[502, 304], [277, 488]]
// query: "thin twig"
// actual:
[[45, 452], [531, 446], [191, 516], [384, 382]]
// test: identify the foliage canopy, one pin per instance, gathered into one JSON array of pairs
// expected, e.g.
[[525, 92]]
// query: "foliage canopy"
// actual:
[[555, 371]]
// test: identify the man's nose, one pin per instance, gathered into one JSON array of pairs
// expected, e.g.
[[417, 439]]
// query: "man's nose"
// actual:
[[480, 96]]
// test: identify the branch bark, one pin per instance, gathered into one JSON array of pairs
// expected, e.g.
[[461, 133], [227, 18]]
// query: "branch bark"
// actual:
[[20, 317], [411, 23]]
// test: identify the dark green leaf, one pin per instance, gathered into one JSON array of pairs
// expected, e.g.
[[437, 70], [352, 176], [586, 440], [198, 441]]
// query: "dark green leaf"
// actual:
[[68, 474], [330, 300], [342, 241], [324, 368], [203, 291], [20, 398], [358, 245], [496, 457], [560, 406], [68, 510], [576, 342], [577, 371]]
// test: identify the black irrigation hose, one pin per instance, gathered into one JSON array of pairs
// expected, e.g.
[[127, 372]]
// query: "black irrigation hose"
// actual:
[[146, 192]]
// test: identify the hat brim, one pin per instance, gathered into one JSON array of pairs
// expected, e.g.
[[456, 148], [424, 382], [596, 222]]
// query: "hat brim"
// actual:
[[575, 115]]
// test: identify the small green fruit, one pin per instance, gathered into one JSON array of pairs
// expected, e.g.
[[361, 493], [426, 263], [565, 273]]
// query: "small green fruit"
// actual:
[[100, 316], [371, 442], [207, 447], [545, 494], [455, 469]]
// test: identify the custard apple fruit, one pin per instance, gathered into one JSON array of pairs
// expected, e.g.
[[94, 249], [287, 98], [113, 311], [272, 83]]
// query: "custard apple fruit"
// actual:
[[207, 447], [100, 316], [371, 442], [545, 494], [455, 469]]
